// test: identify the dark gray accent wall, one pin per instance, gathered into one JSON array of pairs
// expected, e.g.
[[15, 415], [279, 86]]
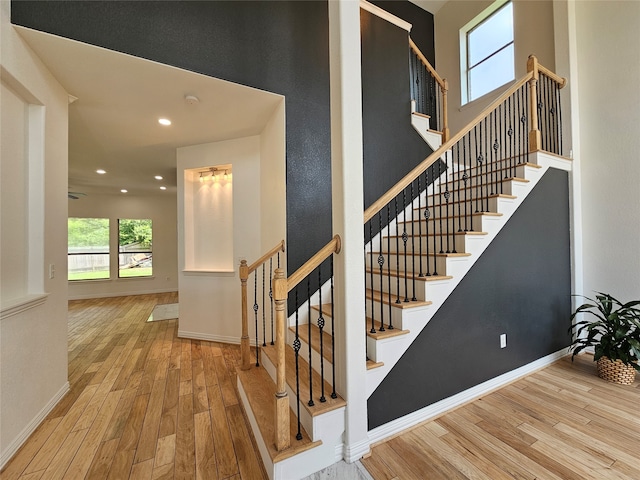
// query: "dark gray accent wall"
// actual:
[[421, 24], [520, 286], [391, 146]]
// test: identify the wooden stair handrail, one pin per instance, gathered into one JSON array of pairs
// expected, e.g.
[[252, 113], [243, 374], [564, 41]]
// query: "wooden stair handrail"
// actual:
[[426, 63], [244, 272], [334, 246], [531, 77], [267, 256]]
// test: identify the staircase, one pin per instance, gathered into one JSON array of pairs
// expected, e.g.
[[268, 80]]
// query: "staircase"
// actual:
[[422, 237]]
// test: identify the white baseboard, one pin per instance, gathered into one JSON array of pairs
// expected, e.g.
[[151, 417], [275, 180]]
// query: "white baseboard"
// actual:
[[396, 426], [17, 442], [209, 337], [356, 451]]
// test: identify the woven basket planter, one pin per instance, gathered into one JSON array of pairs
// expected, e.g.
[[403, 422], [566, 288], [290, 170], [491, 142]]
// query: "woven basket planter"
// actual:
[[616, 372]]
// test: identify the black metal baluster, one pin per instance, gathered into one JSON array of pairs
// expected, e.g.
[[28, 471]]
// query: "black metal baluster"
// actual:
[[271, 295], [255, 315], [421, 274], [264, 320], [435, 236], [397, 217], [373, 328], [512, 171], [524, 137], [320, 327], [457, 178], [311, 403], [426, 220], [381, 265], [405, 237], [413, 248], [465, 176], [296, 349], [389, 260], [333, 336]]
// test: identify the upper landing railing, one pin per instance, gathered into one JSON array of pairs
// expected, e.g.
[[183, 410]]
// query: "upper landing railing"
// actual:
[[429, 91]]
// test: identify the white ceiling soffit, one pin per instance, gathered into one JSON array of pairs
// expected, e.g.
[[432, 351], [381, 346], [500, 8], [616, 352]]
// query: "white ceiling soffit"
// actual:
[[113, 124], [431, 6]]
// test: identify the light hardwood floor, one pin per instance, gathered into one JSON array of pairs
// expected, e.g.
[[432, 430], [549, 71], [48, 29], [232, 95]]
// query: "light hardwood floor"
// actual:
[[144, 404], [560, 423]]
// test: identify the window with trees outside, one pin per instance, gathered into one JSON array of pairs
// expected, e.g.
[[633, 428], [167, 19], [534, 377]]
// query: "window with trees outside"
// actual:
[[487, 51], [88, 248], [135, 240]]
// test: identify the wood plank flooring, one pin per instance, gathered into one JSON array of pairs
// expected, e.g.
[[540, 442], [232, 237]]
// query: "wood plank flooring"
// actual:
[[144, 404], [560, 423]]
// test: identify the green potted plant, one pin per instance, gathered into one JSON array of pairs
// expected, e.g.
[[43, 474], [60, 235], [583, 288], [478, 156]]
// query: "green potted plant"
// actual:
[[614, 334]]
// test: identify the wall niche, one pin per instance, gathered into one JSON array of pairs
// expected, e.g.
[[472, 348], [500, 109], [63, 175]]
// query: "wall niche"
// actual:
[[208, 220]]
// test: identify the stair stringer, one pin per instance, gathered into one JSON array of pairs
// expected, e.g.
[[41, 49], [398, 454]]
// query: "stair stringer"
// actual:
[[389, 351]]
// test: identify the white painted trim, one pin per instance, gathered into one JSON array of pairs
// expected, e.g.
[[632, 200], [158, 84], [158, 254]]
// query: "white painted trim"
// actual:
[[396, 426], [17, 442], [119, 294], [209, 337], [22, 304], [356, 451], [379, 12]]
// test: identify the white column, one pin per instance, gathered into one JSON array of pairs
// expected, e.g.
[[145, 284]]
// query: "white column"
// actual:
[[348, 208]]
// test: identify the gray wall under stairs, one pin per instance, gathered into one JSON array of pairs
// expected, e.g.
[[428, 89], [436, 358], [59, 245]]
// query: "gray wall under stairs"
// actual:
[[520, 286]]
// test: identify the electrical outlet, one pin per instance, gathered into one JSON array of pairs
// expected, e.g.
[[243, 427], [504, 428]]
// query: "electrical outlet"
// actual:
[[503, 340], [52, 271]]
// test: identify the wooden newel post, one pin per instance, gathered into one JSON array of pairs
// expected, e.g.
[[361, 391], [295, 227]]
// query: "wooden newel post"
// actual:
[[534, 133], [445, 111], [280, 292], [245, 350]]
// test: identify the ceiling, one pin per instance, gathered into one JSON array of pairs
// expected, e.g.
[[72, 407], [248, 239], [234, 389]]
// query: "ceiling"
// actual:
[[113, 123], [431, 6]]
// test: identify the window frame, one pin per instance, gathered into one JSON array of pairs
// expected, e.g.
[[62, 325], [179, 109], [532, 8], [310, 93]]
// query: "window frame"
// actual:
[[465, 31], [149, 251], [107, 252]]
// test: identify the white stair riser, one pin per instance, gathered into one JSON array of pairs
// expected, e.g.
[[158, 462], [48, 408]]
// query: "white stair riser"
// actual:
[[424, 244], [423, 290], [476, 223]]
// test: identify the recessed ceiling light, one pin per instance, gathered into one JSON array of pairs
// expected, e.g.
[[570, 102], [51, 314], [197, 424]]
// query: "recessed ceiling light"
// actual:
[[163, 188], [158, 177], [164, 121], [101, 171], [124, 190]]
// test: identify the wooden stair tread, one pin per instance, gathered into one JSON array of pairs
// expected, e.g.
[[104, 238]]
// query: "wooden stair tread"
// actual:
[[327, 347], [320, 407], [437, 234], [371, 364], [416, 276], [424, 254], [484, 184], [326, 308], [481, 197], [386, 333], [447, 217], [384, 298], [261, 394], [424, 115]]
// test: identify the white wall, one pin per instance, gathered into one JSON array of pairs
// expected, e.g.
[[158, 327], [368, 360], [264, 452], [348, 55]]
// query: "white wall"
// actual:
[[273, 190], [209, 298], [162, 210], [33, 332], [607, 37], [534, 33]]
